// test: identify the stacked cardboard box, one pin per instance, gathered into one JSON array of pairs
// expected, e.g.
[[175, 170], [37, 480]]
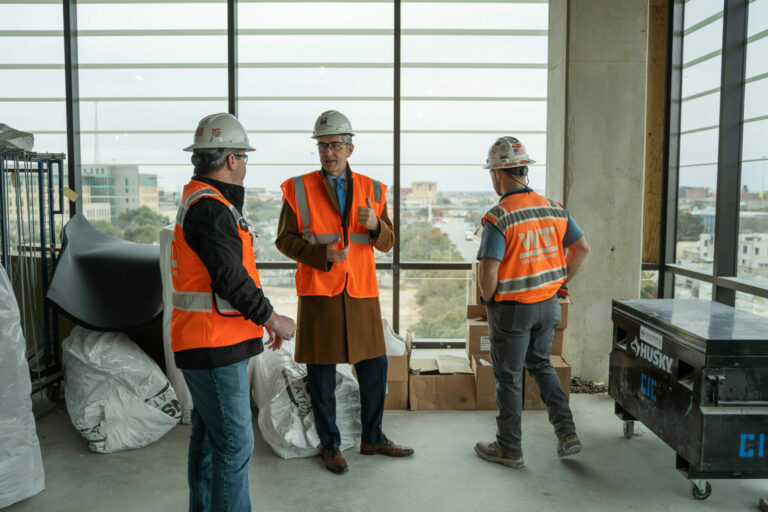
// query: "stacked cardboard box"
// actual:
[[441, 382], [397, 377], [478, 348], [397, 382], [485, 383]]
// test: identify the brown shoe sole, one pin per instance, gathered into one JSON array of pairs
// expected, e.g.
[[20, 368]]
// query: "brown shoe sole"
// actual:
[[336, 469], [403, 453]]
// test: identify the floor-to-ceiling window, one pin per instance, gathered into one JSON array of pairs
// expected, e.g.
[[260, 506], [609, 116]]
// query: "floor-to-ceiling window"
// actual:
[[427, 85], [718, 161]]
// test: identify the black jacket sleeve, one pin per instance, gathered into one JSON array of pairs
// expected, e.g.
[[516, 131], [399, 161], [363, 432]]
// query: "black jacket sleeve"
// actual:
[[210, 231]]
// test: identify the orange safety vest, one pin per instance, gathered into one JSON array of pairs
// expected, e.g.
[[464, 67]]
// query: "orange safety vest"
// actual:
[[319, 223], [201, 318], [534, 267]]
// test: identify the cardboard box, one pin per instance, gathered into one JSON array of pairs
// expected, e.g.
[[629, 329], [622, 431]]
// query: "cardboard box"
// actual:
[[477, 311], [478, 341], [429, 389], [557, 342], [397, 395], [485, 382], [397, 377], [564, 303], [532, 397]]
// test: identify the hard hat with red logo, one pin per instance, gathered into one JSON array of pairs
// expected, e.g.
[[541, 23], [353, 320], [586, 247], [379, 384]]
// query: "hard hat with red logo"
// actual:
[[507, 152], [332, 122], [220, 131]]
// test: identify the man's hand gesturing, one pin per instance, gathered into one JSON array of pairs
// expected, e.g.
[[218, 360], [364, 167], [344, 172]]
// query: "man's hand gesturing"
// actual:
[[367, 217], [335, 255]]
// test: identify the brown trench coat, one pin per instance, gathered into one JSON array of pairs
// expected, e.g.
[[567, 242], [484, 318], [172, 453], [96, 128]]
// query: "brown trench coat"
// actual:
[[338, 329]]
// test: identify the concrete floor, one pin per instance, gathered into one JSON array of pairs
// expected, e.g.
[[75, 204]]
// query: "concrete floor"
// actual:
[[611, 473]]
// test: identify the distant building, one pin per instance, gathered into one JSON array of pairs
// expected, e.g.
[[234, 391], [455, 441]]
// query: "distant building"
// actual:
[[694, 193], [746, 195], [752, 253], [707, 217], [148, 192], [168, 203], [706, 248], [122, 187], [424, 192]]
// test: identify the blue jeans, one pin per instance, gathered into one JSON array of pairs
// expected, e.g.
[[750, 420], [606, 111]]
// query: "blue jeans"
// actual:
[[522, 334], [221, 441]]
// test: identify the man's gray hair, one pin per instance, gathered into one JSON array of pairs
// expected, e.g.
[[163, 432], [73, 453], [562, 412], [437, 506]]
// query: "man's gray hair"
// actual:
[[208, 160], [346, 138]]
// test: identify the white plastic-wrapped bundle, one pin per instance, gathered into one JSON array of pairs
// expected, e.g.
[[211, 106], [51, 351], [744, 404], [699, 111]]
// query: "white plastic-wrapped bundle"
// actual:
[[279, 390], [21, 466], [174, 374], [117, 397], [394, 342]]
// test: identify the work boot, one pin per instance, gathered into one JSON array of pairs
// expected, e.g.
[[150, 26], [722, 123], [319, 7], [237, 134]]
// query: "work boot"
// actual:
[[568, 445], [334, 461], [492, 452]]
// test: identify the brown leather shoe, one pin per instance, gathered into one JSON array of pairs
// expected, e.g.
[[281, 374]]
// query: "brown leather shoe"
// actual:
[[334, 462], [386, 447]]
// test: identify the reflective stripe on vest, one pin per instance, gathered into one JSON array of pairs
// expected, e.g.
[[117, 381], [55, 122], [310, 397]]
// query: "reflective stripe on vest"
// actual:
[[201, 318], [504, 219], [319, 222], [534, 264], [301, 202], [201, 302], [527, 283], [184, 207]]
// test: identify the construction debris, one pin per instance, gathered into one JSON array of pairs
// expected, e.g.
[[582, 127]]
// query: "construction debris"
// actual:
[[579, 385]]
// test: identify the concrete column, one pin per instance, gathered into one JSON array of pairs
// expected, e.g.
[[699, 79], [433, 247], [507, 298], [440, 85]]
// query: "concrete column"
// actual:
[[595, 153]]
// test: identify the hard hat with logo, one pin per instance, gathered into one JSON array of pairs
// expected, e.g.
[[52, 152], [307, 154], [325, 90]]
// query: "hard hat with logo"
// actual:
[[332, 122], [507, 152], [220, 131]]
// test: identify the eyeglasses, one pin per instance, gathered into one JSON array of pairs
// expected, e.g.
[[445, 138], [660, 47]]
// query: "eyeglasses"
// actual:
[[244, 156], [335, 146]]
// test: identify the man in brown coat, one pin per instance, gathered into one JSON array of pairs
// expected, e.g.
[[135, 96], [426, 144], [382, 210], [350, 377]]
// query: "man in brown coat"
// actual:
[[330, 222]]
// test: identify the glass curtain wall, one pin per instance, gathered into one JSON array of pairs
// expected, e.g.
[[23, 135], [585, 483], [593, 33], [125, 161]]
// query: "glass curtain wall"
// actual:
[[699, 131], [32, 95], [148, 70], [471, 72], [722, 225], [752, 262], [32, 100]]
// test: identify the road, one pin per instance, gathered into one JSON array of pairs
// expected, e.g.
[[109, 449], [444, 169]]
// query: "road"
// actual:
[[456, 230]]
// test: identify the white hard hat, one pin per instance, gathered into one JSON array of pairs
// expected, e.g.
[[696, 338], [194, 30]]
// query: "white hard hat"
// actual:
[[220, 131], [332, 122], [507, 152]]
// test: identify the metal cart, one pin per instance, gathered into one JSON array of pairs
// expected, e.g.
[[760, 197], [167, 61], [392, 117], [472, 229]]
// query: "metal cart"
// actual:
[[695, 373], [31, 212]]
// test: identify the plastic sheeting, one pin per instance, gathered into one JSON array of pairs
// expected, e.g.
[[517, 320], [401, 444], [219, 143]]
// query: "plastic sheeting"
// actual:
[[279, 390], [117, 397], [103, 282], [21, 466], [173, 373], [11, 138]]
